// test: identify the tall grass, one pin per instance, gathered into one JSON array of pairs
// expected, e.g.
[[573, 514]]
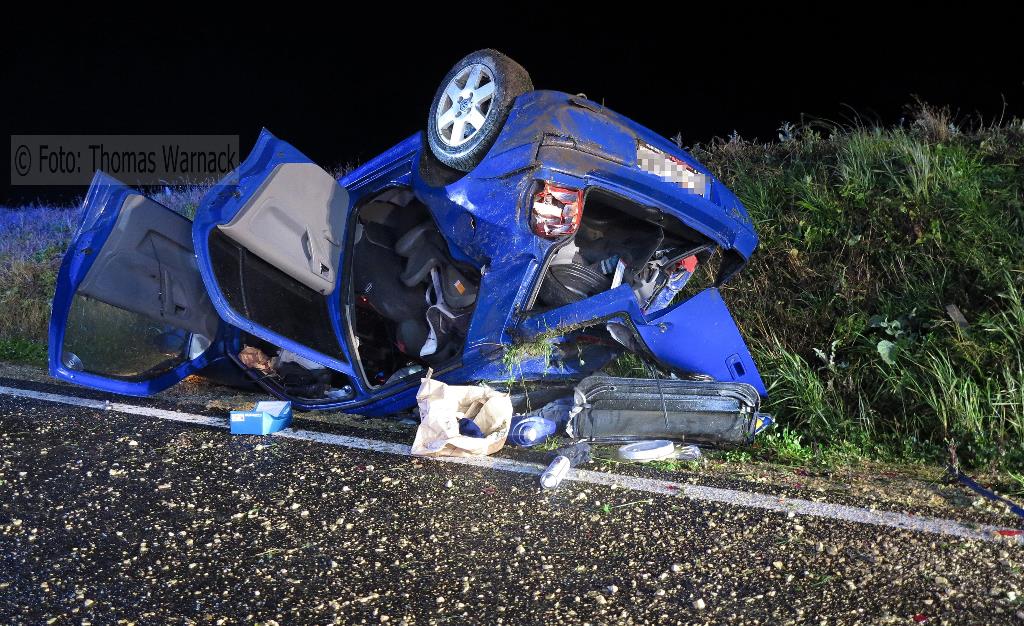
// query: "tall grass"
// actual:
[[183, 199], [32, 242], [867, 235]]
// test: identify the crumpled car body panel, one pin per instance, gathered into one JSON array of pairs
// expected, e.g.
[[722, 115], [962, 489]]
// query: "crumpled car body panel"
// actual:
[[483, 216], [697, 335]]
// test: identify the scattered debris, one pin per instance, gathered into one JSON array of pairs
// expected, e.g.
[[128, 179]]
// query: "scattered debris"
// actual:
[[256, 359], [953, 311], [644, 451], [265, 418], [442, 407], [688, 453], [614, 410], [578, 453], [562, 460], [555, 473], [529, 430], [468, 428]]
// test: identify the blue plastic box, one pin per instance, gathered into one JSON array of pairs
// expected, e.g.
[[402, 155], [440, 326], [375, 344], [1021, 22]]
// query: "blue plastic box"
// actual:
[[268, 417]]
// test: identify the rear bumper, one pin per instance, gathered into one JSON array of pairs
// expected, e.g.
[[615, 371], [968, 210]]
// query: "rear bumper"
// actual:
[[718, 218]]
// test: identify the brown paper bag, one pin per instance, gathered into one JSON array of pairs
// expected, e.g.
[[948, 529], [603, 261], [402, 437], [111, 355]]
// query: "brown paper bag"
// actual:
[[441, 406]]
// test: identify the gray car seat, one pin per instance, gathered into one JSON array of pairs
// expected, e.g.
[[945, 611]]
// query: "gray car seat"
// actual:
[[425, 249], [376, 269]]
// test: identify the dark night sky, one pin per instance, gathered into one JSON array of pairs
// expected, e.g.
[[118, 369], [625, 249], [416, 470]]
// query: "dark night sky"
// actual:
[[344, 98]]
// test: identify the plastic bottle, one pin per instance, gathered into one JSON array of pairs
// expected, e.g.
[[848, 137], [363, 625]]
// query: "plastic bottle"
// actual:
[[555, 473], [673, 286], [529, 430]]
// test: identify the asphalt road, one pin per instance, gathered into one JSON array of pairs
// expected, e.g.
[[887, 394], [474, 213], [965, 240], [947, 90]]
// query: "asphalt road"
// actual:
[[108, 518]]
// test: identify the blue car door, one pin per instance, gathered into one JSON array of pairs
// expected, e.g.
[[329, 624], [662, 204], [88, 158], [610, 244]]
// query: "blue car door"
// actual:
[[269, 243], [130, 312]]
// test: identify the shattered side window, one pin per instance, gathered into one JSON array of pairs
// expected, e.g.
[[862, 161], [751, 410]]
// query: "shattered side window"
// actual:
[[110, 341], [709, 268]]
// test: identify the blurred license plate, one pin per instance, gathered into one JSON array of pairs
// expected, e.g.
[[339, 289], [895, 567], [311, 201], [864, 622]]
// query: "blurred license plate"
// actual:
[[670, 169]]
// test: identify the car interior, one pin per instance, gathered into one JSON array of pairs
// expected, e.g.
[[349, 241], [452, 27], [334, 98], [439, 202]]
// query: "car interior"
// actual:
[[622, 242], [412, 301]]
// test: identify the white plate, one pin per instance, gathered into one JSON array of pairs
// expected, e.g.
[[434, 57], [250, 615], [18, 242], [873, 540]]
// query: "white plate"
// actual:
[[647, 450]]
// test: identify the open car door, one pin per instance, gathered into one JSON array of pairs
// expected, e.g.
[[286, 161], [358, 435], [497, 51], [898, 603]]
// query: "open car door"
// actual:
[[337, 289], [269, 244], [130, 313]]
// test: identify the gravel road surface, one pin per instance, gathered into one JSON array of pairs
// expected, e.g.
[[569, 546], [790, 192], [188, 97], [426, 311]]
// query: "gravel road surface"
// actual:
[[108, 518]]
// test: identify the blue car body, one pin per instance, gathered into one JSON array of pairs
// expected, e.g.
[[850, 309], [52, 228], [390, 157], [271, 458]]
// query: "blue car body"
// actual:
[[549, 137]]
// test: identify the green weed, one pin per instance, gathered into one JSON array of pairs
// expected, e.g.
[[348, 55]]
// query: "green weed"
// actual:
[[541, 347], [867, 235], [23, 351]]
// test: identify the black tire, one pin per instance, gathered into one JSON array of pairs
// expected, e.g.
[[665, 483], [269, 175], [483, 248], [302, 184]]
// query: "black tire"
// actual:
[[510, 81], [571, 282]]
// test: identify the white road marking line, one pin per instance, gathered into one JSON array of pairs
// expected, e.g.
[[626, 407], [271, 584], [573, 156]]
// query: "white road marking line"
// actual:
[[733, 497], [53, 397]]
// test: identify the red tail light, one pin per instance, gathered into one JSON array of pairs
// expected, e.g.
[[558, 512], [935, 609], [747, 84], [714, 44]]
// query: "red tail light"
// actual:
[[556, 211]]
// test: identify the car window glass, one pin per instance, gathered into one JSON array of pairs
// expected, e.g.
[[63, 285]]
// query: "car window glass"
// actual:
[[110, 341]]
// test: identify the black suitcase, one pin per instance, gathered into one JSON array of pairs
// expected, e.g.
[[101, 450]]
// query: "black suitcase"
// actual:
[[609, 409]]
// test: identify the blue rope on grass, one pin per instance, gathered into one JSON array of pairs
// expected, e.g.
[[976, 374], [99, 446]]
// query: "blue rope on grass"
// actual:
[[975, 487]]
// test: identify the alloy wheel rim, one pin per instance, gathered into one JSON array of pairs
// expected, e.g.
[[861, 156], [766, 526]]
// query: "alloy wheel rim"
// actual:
[[465, 105]]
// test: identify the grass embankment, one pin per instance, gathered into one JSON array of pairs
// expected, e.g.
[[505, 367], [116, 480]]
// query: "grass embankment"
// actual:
[[32, 242], [884, 305], [868, 235]]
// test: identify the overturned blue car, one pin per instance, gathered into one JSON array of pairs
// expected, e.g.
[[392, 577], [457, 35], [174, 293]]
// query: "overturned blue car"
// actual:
[[526, 236]]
